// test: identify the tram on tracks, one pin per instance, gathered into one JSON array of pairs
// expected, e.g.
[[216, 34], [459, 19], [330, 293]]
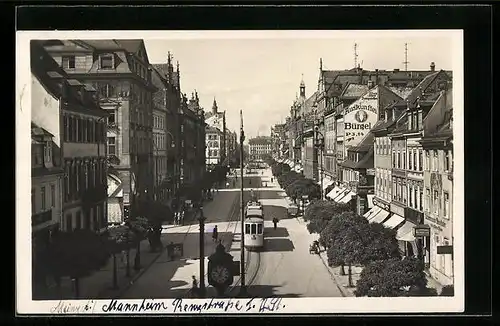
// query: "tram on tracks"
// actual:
[[254, 226]]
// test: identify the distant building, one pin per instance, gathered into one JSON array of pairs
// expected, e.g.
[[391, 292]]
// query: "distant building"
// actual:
[[260, 148], [213, 142]]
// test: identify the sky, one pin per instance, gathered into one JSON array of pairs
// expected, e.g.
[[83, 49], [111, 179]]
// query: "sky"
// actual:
[[261, 75]]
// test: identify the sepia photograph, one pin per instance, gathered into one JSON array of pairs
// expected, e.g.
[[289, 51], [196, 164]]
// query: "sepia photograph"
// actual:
[[239, 172]]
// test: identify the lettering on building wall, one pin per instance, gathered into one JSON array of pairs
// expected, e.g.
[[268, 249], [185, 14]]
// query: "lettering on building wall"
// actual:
[[359, 118]]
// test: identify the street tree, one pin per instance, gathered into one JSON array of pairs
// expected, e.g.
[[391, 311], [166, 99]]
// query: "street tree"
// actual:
[[334, 236], [119, 238], [320, 212], [77, 254], [393, 278], [139, 226], [361, 242]]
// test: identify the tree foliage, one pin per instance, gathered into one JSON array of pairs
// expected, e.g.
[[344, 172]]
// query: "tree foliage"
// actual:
[[303, 187], [392, 278], [357, 242], [320, 212], [78, 253]]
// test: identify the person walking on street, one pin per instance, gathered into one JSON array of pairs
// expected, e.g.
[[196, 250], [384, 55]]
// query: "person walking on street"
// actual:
[[194, 287], [275, 222], [215, 234]]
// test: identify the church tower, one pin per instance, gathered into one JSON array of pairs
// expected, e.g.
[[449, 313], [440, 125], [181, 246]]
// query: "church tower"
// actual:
[[302, 87], [214, 107]]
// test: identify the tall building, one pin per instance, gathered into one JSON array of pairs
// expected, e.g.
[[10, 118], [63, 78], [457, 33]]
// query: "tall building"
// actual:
[[260, 148], [68, 156], [173, 97], [437, 143], [160, 144], [119, 70]]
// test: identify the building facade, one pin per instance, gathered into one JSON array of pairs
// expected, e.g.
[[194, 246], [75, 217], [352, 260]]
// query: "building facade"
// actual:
[[119, 70], [260, 147], [213, 145], [437, 144], [159, 135], [407, 172]]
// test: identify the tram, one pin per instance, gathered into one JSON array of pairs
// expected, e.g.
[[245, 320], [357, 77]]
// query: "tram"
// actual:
[[254, 226]]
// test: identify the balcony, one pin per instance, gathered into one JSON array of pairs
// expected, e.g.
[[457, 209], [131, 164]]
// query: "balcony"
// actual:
[[41, 218]]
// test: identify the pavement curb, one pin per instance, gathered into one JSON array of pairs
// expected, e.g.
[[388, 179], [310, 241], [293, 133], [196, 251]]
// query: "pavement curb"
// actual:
[[337, 281]]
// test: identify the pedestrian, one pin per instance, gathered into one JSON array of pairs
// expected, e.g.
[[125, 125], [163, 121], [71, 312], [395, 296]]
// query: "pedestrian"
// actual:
[[215, 234], [194, 287], [275, 222]]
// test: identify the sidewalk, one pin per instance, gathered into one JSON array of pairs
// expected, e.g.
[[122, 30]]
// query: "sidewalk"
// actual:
[[99, 284]]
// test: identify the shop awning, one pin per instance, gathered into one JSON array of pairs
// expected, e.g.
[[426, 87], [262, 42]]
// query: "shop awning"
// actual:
[[393, 221], [372, 212], [326, 183], [405, 232], [347, 198], [380, 217], [334, 192], [341, 194], [370, 200]]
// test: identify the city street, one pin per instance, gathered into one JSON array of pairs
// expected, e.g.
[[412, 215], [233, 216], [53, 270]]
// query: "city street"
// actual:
[[284, 268]]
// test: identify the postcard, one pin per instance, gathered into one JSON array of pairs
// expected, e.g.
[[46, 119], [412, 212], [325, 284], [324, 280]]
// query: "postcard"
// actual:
[[239, 172]]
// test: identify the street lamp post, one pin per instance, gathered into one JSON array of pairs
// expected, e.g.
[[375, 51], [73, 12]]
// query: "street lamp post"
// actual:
[[201, 221], [243, 287]]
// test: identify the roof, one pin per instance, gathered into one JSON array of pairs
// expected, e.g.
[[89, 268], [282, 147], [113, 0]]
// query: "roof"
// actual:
[[354, 90], [38, 132], [132, 46], [212, 129], [367, 161], [365, 144], [51, 76], [403, 92], [422, 87], [259, 141]]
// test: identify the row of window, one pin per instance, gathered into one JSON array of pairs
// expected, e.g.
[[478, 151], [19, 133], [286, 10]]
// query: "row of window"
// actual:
[[438, 160], [212, 137], [159, 142], [213, 144], [43, 201], [438, 204], [81, 130], [213, 153], [82, 176], [382, 145], [158, 122], [41, 154], [95, 222]]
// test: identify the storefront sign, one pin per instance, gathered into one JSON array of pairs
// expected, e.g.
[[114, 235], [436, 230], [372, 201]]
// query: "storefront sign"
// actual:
[[422, 231], [370, 171], [359, 118], [381, 204], [445, 250]]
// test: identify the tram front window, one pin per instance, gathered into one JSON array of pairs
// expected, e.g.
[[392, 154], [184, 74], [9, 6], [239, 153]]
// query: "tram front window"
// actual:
[[254, 229], [259, 228], [247, 228]]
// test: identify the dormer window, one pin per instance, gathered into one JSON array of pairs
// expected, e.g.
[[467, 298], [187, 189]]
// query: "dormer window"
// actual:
[[106, 61]]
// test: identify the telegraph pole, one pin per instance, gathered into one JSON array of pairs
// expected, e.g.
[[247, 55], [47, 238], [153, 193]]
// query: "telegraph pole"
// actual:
[[243, 287]]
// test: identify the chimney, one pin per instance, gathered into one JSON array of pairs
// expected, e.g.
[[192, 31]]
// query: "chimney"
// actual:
[[433, 66], [396, 70]]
